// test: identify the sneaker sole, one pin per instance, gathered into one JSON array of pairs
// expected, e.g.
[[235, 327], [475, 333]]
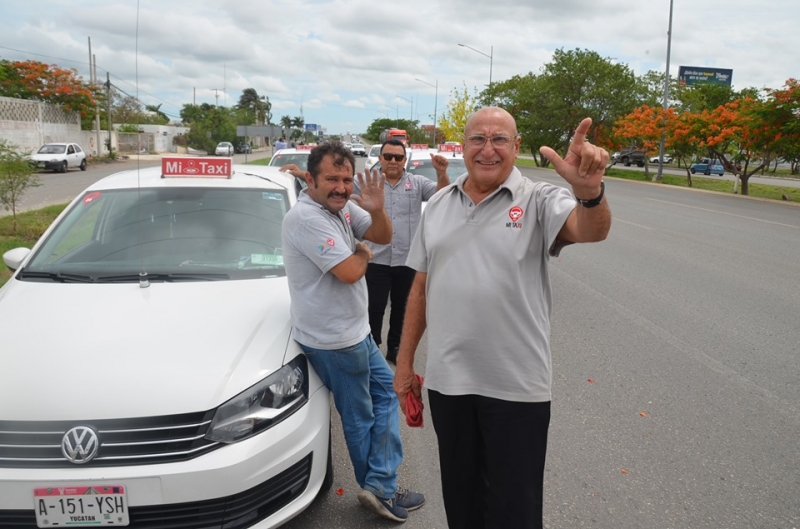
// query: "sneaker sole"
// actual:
[[369, 501], [415, 507]]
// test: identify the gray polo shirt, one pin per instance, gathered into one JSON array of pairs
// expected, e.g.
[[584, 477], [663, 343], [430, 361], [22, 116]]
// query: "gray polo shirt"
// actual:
[[327, 313], [488, 287], [403, 204]]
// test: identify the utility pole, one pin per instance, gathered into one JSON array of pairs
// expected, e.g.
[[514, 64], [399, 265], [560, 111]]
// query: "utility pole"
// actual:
[[108, 111], [93, 82], [216, 95], [659, 174]]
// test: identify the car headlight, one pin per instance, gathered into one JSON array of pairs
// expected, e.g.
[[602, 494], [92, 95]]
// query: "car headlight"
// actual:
[[263, 405]]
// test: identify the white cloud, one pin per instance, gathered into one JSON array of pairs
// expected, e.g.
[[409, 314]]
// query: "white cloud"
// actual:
[[345, 61]]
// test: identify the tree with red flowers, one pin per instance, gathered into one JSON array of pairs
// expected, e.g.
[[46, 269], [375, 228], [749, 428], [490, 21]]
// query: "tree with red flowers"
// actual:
[[49, 83]]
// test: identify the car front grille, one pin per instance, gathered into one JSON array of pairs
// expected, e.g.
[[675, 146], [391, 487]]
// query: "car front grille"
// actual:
[[232, 512], [137, 441]]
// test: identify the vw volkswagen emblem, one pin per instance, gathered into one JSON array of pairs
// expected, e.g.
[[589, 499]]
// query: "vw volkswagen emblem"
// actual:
[[80, 445]]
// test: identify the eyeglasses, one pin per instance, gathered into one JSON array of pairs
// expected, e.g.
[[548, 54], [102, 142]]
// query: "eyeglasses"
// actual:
[[397, 157], [498, 142]]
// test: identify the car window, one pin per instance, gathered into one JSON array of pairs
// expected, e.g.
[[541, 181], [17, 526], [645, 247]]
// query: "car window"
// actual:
[[425, 168], [300, 160], [375, 150], [232, 232], [70, 150], [78, 149], [53, 149]]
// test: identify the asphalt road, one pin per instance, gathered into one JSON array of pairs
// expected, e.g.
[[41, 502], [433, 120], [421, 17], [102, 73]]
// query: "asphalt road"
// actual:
[[676, 401]]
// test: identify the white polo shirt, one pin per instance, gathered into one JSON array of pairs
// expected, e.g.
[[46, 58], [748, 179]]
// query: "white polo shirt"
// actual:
[[488, 287]]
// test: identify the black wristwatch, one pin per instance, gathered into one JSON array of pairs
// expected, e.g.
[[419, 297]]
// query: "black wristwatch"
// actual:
[[595, 201]]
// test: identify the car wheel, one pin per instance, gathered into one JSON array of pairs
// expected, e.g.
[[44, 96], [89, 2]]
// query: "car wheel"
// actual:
[[692, 171], [83, 164], [327, 482], [707, 173], [626, 162], [63, 167], [640, 164]]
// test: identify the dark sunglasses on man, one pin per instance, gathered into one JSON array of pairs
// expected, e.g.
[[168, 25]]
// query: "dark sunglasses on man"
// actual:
[[397, 157]]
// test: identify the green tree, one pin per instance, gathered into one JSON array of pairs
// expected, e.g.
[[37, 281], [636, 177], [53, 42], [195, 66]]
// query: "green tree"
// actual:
[[209, 125], [460, 107], [16, 176], [259, 106], [161, 118], [286, 124]]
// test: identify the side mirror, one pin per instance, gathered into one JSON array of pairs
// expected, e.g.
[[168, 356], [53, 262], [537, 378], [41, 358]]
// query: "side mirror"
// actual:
[[14, 258]]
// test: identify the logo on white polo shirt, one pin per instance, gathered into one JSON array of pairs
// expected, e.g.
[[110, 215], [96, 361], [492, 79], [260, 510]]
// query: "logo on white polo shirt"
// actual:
[[515, 214], [330, 242], [323, 249], [347, 218], [408, 185]]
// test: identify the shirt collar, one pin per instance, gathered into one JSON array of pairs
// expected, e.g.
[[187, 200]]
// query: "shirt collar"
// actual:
[[512, 183]]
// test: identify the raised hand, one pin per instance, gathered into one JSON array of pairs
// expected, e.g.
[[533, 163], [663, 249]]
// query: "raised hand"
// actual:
[[372, 197], [585, 164]]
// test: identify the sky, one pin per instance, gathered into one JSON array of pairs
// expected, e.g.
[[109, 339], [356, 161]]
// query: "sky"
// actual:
[[342, 64]]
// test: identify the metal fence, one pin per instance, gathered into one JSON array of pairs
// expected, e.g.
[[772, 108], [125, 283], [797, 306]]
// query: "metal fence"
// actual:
[[135, 143]]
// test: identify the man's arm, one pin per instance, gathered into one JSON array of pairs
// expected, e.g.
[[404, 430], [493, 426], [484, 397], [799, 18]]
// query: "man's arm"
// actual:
[[354, 267], [414, 325], [440, 165], [583, 168]]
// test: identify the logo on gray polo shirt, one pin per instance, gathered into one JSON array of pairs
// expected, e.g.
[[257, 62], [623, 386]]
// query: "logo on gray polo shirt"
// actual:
[[515, 214]]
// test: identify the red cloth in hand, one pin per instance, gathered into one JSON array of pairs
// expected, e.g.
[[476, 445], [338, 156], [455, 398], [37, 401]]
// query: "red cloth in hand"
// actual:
[[414, 406]]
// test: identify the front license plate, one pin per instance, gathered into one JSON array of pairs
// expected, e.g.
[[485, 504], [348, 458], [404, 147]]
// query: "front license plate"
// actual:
[[89, 506]]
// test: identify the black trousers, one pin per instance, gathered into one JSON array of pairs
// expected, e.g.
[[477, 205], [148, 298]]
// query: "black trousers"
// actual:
[[383, 280], [492, 453]]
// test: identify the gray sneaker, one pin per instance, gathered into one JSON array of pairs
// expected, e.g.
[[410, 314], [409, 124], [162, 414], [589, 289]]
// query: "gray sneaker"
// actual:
[[408, 500], [386, 508]]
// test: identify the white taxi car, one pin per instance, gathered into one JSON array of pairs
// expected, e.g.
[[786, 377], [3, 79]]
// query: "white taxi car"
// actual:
[[152, 378], [418, 160]]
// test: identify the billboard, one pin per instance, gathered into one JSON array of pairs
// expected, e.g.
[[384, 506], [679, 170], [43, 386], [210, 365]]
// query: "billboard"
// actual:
[[692, 75], [311, 127]]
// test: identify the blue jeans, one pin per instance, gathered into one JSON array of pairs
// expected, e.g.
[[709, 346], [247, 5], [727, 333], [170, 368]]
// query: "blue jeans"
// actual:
[[361, 383]]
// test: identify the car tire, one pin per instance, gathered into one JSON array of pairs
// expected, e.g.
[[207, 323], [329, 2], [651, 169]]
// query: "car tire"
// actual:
[[83, 164], [626, 162], [692, 171], [327, 482], [707, 173], [63, 168], [640, 164]]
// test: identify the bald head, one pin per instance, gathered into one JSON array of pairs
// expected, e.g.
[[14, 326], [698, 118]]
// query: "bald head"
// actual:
[[494, 115]]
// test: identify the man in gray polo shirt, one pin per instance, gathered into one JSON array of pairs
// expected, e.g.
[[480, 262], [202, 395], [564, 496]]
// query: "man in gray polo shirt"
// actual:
[[482, 289], [387, 272], [325, 265]]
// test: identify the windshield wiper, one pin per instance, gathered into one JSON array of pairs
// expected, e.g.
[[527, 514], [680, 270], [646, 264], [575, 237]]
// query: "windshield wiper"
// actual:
[[131, 278], [58, 277]]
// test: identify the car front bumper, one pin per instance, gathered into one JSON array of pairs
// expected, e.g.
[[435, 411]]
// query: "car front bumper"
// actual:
[[256, 483]]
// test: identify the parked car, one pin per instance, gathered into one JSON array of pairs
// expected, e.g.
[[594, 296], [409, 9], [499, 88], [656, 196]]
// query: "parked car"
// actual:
[[224, 148], [59, 157], [707, 167], [419, 162], [628, 157], [187, 405], [244, 148], [667, 159]]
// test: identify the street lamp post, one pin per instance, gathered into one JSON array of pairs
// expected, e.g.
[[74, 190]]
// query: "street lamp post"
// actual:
[[435, 101], [660, 173], [491, 59]]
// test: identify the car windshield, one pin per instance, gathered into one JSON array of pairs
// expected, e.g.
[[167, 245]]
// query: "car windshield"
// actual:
[[179, 232], [53, 149], [358, 146], [374, 151], [300, 160], [425, 168]]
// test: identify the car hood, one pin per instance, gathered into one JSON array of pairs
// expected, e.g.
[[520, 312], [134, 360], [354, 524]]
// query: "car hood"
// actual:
[[77, 351]]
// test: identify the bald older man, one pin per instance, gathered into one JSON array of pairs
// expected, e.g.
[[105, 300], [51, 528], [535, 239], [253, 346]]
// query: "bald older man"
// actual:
[[482, 290]]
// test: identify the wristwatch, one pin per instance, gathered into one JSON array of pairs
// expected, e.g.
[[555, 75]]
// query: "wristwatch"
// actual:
[[595, 201]]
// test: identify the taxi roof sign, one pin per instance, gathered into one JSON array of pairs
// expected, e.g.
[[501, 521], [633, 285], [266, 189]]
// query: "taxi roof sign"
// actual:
[[195, 167], [419, 146], [451, 147], [305, 147]]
